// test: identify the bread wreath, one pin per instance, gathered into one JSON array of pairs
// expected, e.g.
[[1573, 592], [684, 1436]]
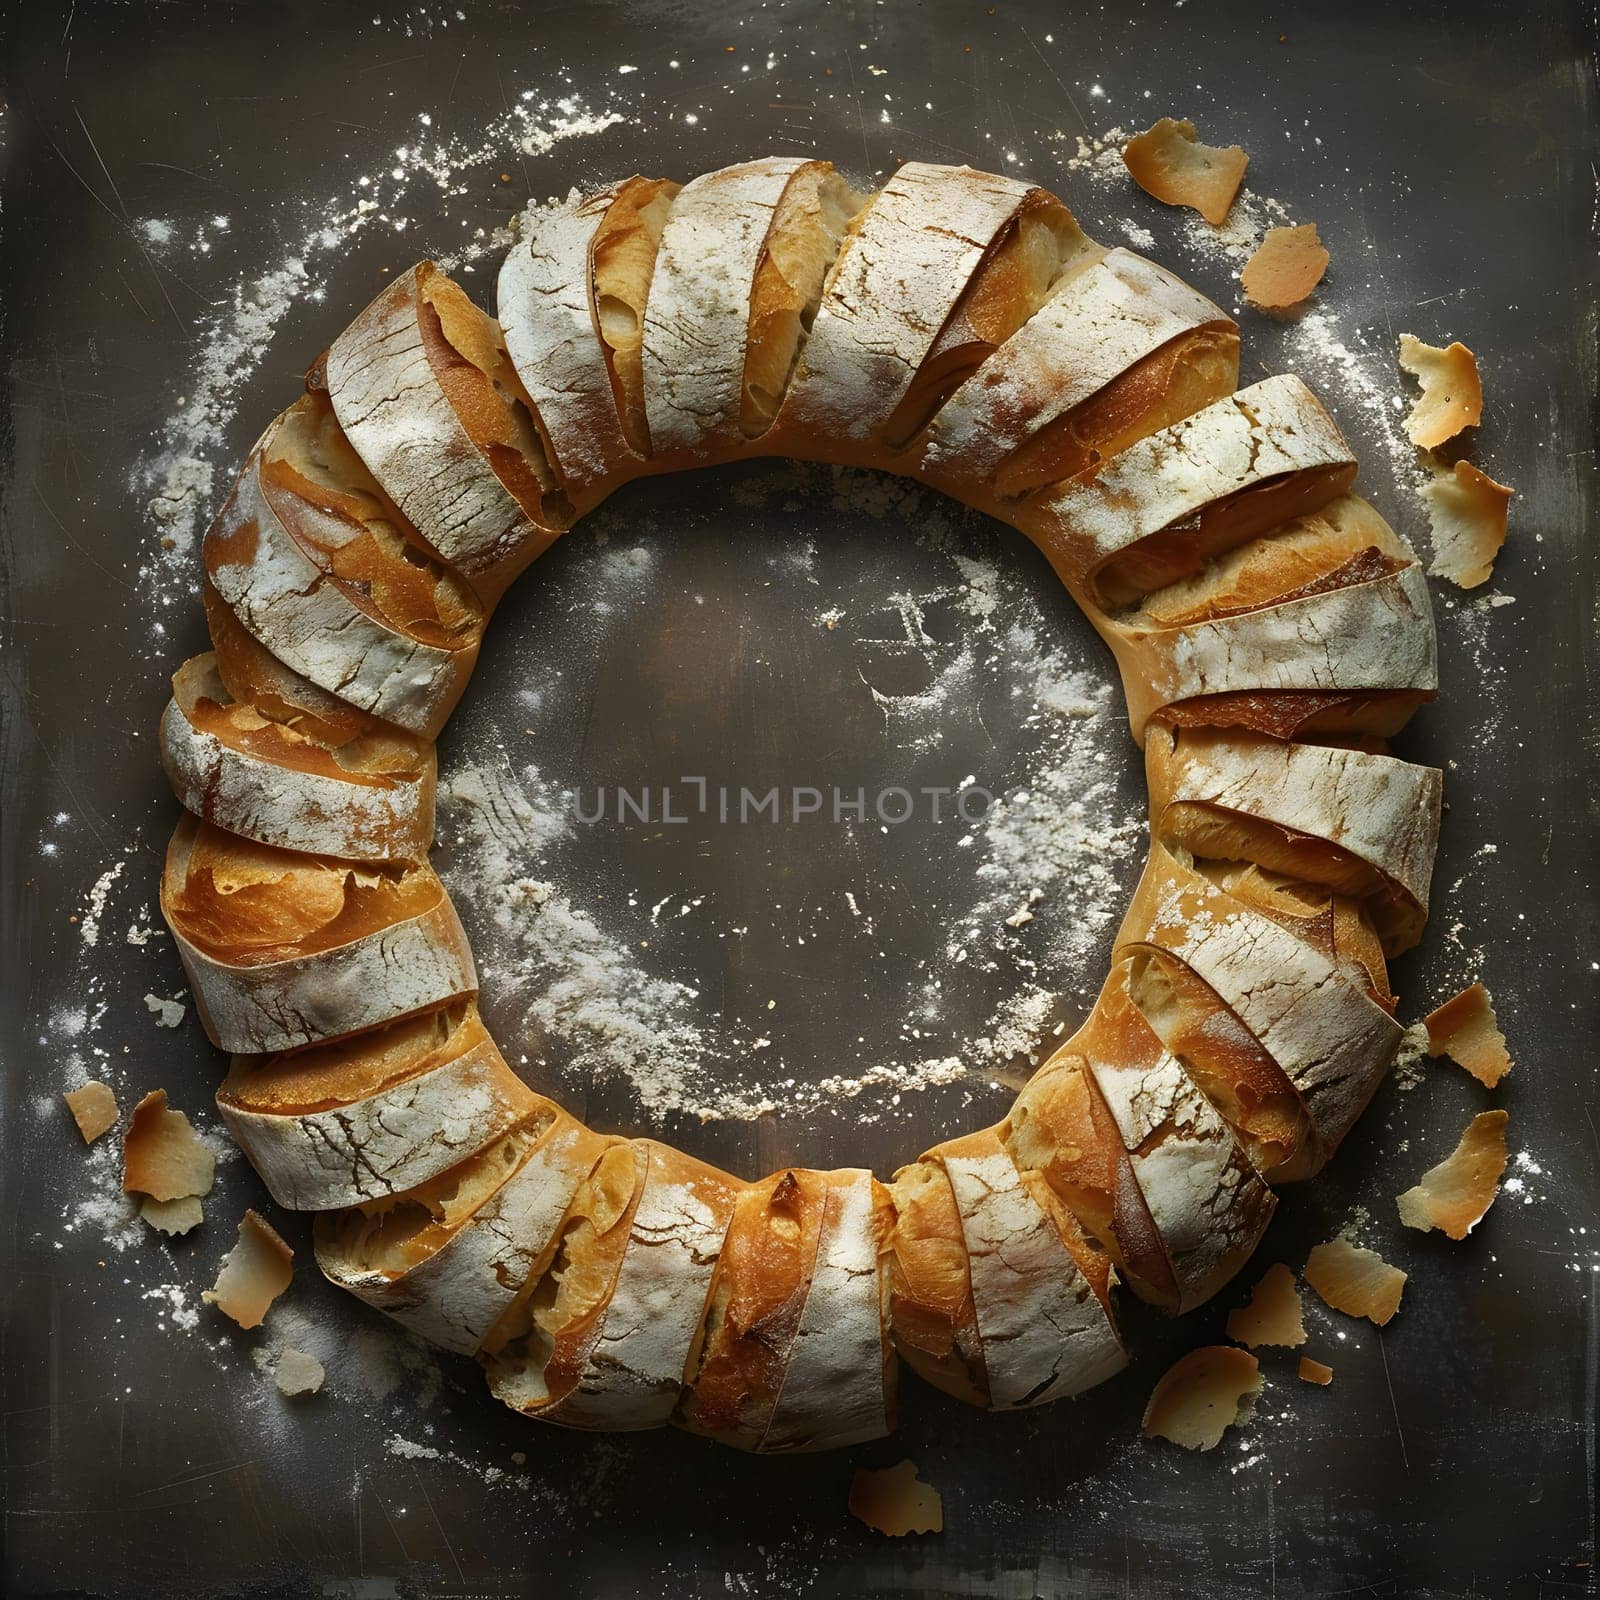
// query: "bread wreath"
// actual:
[[956, 326]]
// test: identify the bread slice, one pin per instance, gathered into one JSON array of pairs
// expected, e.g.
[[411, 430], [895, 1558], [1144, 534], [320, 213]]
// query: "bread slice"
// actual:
[[546, 302], [284, 949], [838, 1384], [697, 317], [794, 1352], [1039, 247], [425, 390], [255, 677], [1374, 652], [1042, 1293], [1206, 1201], [1166, 506], [368, 799], [1360, 823], [1329, 1037], [623, 258], [905, 262], [604, 1339], [448, 1258], [376, 1114], [803, 242], [317, 566], [932, 1318], [1061, 1128], [1031, 413]]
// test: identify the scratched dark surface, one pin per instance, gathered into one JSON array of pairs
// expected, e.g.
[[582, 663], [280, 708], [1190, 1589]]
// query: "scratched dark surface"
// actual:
[[1447, 152]]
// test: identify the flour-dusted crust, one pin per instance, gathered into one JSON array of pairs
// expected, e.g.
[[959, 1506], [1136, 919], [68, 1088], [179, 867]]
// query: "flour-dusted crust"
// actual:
[[545, 300], [494, 1225], [1270, 627], [318, 1146], [438, 429], [370, 800], [633, 1374], [1046, 1332], [904, 265], [838, 1386], [319, 626], [1374, 637], [1165, 505], [696, 319], [1096, 325], [1204, 1197], [1332, 1041], [1379, 810], [375, 977]]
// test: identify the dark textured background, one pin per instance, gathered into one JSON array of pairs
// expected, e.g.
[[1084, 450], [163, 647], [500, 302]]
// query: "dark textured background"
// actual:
[[1453, 179]]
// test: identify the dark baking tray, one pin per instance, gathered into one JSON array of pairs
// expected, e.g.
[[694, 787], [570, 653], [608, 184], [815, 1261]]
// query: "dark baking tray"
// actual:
[[1447, 152]]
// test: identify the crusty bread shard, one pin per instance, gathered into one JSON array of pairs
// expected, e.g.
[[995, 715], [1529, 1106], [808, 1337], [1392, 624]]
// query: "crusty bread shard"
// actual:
[[697, 317], [284, 949], [316, 566], [1099, 327], [604, 1339], [547, 309], [1161, 509], [375, 1115], [425, 391], [905, 262], [1331, 1039], [368, 799], [1041, 1292], [1361, 823], [794, 1352], [448, 1258]]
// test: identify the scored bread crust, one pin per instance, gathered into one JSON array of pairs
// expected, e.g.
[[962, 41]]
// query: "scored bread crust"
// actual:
[[1046, 1328], [1097, 325], [322, 1134], [381, 974], [453, 1291], [1332, 1041], [906, 259], [957, 326], [263, 779], [545, 301], [699, 309], [1165, 505], [319, 627], [466, 480], [1380, 810]]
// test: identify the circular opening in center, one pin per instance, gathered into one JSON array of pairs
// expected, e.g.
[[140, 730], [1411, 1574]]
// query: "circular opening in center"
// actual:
[[790, 813]]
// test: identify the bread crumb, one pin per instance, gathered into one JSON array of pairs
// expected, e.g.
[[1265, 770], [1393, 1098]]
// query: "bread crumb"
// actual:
[[1356, 1281], [1169, 162], [93, 1108], [1467, 514], [1314, 1372], [254, 1273], [1202, 1395], [1454, 1195], [1452, 392], [1465, 1029], [297, 1373], [172, 1216], [895, 1501], [1287, 265], [162, 1156], [1273, 1314]]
